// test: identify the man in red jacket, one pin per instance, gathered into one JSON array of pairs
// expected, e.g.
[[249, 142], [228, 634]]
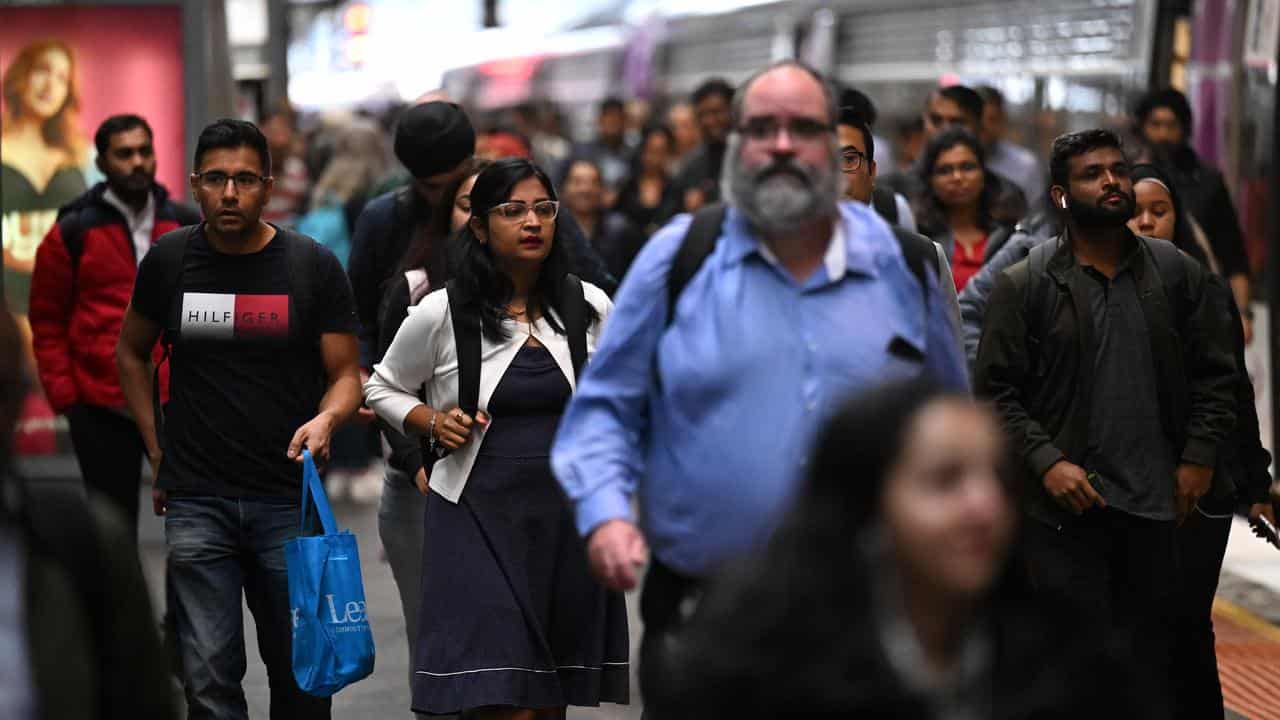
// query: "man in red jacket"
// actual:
[[81, 286]]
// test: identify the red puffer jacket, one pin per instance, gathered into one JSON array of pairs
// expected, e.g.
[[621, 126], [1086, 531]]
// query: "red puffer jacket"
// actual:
[[82, 283]]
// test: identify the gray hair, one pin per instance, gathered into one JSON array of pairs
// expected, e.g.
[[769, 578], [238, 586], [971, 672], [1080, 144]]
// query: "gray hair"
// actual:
[[828, 91]]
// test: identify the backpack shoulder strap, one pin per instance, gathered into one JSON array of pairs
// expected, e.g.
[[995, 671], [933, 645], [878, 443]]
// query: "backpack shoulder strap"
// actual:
[[575, 321], [301, 253], [699, 241], [170, 252], [466, 341], [885, 203], [1170, 262], [71, 227], [918, 251], [1037, 301]]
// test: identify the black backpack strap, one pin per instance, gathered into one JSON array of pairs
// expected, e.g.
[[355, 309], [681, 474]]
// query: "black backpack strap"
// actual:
[[466, 341], [699, 241], [71, 227], [1039, 300], [1173, 274], [918, 251], [575, 321], [885, 203], [171, 251], [301, 253]]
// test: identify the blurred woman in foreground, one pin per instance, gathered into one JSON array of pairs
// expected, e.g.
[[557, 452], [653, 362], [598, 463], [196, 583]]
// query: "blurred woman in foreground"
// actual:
[[890, 591]]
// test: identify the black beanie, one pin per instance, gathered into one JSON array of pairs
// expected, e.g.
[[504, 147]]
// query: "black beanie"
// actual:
[[434, 137]]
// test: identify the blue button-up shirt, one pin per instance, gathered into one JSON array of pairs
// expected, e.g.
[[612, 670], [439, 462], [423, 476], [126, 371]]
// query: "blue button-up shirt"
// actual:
[[750, 366]]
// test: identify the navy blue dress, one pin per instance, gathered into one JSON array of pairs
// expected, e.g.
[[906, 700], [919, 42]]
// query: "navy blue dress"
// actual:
[[510, 612]]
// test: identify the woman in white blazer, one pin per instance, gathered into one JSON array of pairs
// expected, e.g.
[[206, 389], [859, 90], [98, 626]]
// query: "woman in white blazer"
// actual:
[[511, 621]]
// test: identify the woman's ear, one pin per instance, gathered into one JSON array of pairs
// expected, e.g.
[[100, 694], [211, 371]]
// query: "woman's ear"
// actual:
[[478, 227]]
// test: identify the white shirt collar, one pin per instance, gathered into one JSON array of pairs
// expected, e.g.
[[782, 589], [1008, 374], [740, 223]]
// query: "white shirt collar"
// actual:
[[133, 218]]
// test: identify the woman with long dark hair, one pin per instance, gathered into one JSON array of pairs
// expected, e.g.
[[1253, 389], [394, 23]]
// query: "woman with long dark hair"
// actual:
[[957, 204], [512, 624], [648, 194], [892, 590]]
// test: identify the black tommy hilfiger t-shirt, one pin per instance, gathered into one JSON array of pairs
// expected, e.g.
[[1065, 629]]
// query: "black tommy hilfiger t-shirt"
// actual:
[[246, 369]]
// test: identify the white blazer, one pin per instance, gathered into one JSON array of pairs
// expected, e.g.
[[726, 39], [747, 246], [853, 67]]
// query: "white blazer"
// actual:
[[423, 352]]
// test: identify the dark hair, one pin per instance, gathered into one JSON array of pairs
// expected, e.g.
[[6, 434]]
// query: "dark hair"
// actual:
[[1183, 235], [853, 118], [423, 247], [479, 281], [828, 90], [229, 133], [1164, 98], [118, 124], [931, 216], [860, 103], [612, 104], [648, 132], [713, 87], [968, 99], [1069, 145], [991, 96]]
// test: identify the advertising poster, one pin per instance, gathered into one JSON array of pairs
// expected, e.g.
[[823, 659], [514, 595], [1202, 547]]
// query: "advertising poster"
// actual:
[[65, 69]]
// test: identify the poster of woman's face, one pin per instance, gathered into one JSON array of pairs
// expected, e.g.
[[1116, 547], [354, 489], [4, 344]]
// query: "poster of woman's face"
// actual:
[[63, 70]]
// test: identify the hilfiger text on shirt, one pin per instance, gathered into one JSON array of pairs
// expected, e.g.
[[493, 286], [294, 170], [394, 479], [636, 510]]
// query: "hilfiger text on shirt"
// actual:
[[224, 316]]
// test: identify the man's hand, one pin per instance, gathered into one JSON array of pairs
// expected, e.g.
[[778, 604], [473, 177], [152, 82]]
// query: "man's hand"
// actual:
[[364, 415], [159, 498], [616, 551], [1192, 483], [1069, 486], [314, 436], [420, 479]]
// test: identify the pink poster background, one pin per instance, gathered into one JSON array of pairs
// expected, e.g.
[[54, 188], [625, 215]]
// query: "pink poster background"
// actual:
[[128, 60]]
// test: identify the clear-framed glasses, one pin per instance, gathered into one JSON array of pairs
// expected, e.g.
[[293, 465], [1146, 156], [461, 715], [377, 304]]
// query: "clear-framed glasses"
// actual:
[[851, 160], [216, 180], [516, 211], [766, 128]]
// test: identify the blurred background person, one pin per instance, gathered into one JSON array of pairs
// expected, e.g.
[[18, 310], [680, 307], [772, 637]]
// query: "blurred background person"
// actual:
[[43, 153], [956, 207], [1012, 161], [648, 193], [499, 142], [1241, 479], [609, 233], [609, 149], [685, 132], [862, 104], [908, 140], [548, 148], [359, 161], [698, 183], [292, 187], [852, 610], [78, 637], [82, 282], [1163, 123]]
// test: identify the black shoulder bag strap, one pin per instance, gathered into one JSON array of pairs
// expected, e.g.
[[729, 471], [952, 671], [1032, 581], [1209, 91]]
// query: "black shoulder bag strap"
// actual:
[[301, 252], [1173, 275], [699, 241], [1038, 305], [575, 321], [918, 250], [71, 227], [885, 203]]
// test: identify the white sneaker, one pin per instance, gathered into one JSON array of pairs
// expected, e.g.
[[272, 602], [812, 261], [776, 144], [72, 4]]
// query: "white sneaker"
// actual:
[[337, 484], [366, 486]]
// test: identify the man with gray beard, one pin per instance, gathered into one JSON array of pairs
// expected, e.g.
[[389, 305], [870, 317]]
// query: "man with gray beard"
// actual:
[[717, 368]]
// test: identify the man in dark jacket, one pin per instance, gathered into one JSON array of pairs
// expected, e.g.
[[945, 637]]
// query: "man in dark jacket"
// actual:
[[1108, 357], [1163, 120], [81, 285]]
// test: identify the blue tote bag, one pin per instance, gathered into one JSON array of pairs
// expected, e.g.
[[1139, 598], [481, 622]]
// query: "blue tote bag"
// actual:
[[332, 642]]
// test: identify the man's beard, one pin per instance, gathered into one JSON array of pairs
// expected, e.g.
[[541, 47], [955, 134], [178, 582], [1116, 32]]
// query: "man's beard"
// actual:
[[1098, 216], [781, 195]]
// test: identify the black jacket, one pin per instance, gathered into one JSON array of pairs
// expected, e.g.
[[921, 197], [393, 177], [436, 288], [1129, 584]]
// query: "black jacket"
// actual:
[[1205, 196], [1035, 361]]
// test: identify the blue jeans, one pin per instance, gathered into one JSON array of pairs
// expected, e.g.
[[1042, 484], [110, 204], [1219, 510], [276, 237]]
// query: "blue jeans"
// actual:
[[218, 548]]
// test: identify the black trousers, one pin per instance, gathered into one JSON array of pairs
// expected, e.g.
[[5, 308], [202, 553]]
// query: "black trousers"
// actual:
[[110, 451], [1121, 571], [663, 606], [1202, 543]]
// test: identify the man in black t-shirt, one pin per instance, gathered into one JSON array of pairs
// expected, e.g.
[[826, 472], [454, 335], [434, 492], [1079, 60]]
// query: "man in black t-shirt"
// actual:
[[262, 329]]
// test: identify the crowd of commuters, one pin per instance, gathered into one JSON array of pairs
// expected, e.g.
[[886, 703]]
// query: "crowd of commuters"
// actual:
[[658, 355]]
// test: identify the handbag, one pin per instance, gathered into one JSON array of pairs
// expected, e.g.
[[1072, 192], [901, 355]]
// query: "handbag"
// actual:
[[332, 642]]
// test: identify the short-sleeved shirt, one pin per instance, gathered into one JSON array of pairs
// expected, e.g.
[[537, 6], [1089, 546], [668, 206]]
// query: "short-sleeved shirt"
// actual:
[[1128, 449], [247, 372]]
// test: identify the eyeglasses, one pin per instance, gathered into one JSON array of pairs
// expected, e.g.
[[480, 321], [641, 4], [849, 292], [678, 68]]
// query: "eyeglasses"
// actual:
[[851, 160], [963, 167], [215, 181], [515, 211], [766, 128]]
